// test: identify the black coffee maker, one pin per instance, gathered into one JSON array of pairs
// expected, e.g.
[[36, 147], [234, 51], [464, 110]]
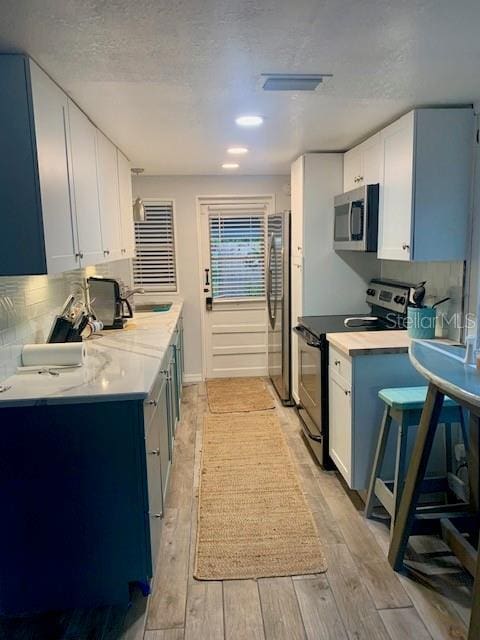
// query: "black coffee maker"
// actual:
[[107, 303]]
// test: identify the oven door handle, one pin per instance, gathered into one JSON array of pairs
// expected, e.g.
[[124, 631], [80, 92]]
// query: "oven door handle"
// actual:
[[311, 435], [302, 333]]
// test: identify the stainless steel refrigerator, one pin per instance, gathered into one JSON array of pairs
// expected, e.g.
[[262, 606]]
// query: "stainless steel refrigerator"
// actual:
[[278, 305]]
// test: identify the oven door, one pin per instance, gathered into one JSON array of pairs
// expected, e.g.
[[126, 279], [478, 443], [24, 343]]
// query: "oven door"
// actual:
[[310, 382]]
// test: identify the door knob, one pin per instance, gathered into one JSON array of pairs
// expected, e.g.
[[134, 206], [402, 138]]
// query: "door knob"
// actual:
[[405, 247]]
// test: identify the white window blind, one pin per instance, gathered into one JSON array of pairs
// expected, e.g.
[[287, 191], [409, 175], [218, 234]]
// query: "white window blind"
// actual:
[[154, 267], [237, 256]]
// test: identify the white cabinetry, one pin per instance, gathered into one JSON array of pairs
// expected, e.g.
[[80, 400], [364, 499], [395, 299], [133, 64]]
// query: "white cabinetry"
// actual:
[[362, 164], [340, 407], [109, 197], [62, 184], [318, 273], [50, 111], [126, 212], [425, 185], [85, 187], [355, 411]]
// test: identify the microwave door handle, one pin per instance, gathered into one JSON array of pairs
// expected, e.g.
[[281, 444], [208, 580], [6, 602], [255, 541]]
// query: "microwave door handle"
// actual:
[[350, 227]]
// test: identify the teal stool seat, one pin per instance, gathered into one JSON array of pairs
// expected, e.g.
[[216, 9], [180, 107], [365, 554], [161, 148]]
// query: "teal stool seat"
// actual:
[[406, 398], [404, 406]]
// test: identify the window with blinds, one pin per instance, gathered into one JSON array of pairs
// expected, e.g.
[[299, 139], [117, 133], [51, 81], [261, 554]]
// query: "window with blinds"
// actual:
[[154, 267], [237, 256]]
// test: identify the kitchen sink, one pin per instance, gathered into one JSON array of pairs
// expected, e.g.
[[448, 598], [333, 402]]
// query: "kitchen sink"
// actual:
[[153, 308]]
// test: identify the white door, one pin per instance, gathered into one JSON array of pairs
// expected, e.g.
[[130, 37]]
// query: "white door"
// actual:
[[126, 207], [233, 257], [85, 186], [50, 111], [108, 196], [396, 190]]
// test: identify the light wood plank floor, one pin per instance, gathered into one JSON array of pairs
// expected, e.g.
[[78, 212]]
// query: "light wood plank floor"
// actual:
[[359, 597]]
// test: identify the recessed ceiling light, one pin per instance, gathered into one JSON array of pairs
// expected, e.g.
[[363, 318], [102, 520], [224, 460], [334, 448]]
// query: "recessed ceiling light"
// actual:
[[230, 165], [237, 151], [249, 121]]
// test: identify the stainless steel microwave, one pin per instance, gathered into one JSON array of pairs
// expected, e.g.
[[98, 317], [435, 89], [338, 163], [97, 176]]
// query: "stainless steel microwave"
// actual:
[[356, 219]]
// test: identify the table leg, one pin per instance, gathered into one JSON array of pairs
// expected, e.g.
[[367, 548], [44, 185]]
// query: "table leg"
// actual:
[[474, 478], [415, 475]]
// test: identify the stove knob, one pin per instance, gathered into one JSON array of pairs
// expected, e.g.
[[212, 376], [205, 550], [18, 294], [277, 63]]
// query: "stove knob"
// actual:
[[370, 292]]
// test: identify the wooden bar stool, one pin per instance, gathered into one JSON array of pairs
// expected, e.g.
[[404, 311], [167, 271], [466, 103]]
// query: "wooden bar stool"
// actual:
[[404, 406]]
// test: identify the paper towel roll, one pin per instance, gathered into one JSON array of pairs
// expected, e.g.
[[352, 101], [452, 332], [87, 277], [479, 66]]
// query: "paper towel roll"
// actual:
[[68, 354]]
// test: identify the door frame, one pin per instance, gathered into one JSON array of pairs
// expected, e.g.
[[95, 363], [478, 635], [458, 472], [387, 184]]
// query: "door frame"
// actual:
[[268, 200]]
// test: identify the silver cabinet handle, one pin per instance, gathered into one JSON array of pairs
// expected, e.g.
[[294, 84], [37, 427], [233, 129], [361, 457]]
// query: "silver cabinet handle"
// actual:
[[154, 452], [156, 515], [79, 255], [336, 362], [152, 403], [405, 247], [106, 252], [347, 393]]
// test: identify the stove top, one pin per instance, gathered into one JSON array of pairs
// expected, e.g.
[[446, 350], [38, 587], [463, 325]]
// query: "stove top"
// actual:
[[320, 325]]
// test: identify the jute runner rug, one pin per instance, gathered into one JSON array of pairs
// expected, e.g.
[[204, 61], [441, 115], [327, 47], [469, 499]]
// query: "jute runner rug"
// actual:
[[253, 519], [230, 395]]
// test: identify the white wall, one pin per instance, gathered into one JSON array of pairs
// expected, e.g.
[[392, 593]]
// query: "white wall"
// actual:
[[184, 190]]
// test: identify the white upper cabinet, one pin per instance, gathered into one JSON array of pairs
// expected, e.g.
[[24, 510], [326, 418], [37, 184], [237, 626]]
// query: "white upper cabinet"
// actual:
[[395, 225], [108, 197], [352, 168], [50, 111], [62, 184], [85, 186], [126, 210], [425, 184], [362, 164]]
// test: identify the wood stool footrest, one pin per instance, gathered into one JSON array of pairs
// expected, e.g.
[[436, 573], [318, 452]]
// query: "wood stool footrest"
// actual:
[[460, 546]]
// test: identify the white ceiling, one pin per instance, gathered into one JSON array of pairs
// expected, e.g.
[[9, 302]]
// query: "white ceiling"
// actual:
[[166, 78]]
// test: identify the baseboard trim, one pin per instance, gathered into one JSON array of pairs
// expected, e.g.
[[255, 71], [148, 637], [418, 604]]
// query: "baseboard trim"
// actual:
[[189, 378]]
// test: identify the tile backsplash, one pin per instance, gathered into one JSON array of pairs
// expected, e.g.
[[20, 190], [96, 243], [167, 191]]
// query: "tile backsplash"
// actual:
[[28, 305], [444, 279]]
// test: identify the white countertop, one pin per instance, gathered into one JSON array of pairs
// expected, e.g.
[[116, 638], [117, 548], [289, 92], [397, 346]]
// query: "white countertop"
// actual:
[[120, 365]]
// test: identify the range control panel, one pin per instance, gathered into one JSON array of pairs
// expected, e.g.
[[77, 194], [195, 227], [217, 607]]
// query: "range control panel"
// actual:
[[389, 295]]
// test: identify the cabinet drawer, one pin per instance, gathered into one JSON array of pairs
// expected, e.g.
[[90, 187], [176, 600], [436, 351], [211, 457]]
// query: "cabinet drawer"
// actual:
[[340, 363]]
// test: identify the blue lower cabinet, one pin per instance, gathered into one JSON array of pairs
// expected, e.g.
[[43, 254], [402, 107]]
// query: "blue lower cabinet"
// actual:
[[82, 494], [73, 489]]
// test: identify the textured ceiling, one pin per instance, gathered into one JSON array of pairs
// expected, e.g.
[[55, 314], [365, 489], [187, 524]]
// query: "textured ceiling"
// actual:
[[165, 80]]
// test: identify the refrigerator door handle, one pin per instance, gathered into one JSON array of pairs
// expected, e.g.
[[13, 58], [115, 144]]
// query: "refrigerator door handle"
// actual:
[[271, 311]]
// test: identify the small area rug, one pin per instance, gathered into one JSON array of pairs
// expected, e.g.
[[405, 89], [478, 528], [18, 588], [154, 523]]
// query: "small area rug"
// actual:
[[253, 519], [232, 395]]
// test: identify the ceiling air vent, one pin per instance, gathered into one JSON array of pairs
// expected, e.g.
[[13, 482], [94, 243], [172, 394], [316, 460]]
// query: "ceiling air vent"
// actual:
[[293, 81]]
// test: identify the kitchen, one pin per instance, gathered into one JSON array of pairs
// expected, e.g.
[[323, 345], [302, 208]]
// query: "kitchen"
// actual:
[[135, 282]]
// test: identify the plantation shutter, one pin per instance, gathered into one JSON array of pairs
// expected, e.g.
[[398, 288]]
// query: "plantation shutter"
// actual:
[[154, 267], [237, 256]]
